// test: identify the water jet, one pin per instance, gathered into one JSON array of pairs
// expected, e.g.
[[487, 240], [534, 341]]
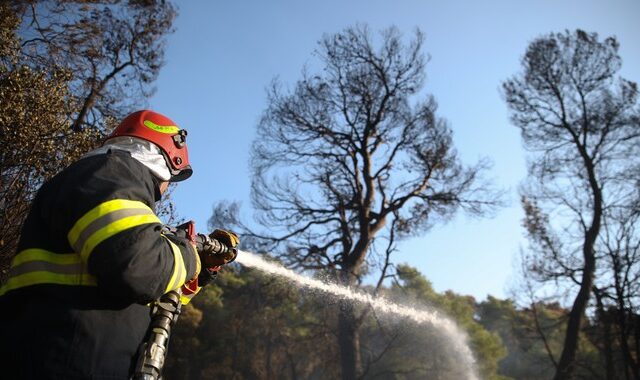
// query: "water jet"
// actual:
[[456, 337]]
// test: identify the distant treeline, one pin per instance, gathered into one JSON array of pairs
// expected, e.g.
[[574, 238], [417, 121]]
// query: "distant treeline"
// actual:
[[252, 326]]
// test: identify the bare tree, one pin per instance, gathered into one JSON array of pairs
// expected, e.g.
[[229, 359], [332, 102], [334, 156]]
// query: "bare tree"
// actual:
[[114, 49], [581, 124], [347, 162], [618, 282]]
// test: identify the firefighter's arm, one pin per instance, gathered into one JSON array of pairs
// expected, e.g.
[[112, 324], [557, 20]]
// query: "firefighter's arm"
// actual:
[[109, 222], [121, 241]]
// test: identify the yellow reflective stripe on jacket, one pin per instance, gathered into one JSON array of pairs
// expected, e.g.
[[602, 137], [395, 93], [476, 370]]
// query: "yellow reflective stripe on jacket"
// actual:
[[179, 275], [35, 254], [100, 210], [115, 228], [105, 220], [38, 266]]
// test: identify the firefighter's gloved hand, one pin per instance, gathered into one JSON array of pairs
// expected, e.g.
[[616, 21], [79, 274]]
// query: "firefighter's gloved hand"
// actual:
[[228, 238], [218, 248]]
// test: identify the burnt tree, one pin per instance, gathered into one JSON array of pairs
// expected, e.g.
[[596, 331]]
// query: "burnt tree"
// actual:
[[581, 124], [351, 159]]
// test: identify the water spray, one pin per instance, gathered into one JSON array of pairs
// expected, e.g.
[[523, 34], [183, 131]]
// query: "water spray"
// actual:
[[430, 317]]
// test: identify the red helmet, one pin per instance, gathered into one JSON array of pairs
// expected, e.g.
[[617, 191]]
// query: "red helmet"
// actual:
[[163, 132]]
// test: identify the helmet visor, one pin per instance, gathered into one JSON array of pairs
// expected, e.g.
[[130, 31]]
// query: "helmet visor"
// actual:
[[181, 175]]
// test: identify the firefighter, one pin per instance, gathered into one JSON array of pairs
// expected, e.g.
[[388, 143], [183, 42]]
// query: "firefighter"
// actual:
[[93, 255]]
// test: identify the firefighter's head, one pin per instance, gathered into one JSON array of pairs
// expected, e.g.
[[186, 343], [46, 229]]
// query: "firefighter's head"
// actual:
[[165, 134]]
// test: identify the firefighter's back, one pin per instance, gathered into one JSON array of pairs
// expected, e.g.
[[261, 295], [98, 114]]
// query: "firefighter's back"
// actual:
[[55, 322]]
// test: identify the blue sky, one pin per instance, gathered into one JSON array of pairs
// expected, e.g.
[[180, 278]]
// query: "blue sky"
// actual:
[[224, 54]]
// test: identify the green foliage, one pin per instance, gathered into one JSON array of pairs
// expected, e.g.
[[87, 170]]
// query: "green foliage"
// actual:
[[248, 326], [526, 355], [34, 124], [486, 346], [534, 338], [35, 106], [257, 327], [9, 45], [254, 327]]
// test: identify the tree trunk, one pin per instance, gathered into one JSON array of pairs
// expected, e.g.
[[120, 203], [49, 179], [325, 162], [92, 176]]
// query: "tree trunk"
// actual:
[[348, 334], [349, 341], [623, 331], [566, 365], [268, 353], [604, 321], [636, 327], [292, 366]]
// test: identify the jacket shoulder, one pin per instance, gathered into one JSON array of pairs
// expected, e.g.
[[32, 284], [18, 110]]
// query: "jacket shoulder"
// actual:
[[92, 181]]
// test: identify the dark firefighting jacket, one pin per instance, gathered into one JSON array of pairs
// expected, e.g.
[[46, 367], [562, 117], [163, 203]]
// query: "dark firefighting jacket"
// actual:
[[91, 257]]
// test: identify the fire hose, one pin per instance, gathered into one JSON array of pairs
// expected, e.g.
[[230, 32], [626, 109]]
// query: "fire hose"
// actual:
[[166, 310]]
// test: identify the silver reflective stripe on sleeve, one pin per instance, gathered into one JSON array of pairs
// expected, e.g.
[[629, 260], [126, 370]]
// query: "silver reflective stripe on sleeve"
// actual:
[[105, 220]]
